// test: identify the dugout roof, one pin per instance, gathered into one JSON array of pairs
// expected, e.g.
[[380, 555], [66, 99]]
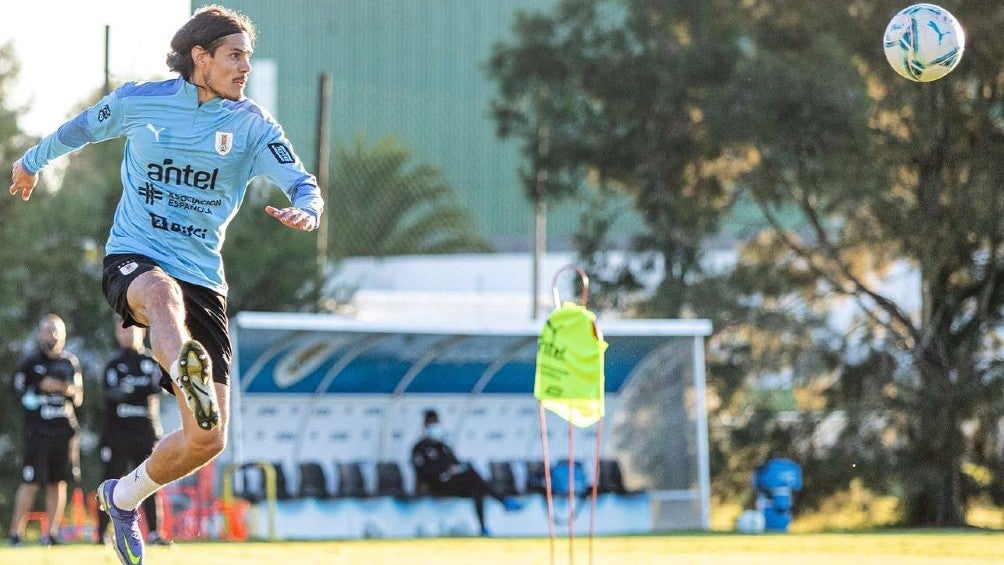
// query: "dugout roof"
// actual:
[[324, 354]]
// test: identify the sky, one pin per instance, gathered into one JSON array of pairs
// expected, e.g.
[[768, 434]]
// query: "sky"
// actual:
[[60, 44]]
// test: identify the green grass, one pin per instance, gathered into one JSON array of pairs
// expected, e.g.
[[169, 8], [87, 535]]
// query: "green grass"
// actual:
[[919, 547]]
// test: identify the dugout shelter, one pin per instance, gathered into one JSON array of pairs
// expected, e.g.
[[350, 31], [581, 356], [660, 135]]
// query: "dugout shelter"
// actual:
[[335, 405]]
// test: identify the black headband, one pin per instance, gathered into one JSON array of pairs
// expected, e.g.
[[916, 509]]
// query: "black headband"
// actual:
[[221, 35]]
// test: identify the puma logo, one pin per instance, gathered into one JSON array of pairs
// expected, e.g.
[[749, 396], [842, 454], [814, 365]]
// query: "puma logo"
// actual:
[[156, 132], [941, 34]]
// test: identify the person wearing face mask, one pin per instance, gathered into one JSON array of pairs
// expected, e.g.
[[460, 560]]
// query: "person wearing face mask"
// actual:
[[131, 420], [437, 467], [49, 386]]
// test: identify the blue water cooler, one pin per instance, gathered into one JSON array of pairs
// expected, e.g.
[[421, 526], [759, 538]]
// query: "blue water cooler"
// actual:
[[776, 481]]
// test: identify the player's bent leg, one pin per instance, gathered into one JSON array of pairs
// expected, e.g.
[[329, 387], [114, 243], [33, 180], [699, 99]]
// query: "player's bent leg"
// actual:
[[185, 450], [156, 301]]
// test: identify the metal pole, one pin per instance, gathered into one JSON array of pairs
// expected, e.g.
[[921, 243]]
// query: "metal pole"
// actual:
[[701, 425], [323, 175], [539, 219], [108, 81], [539, 250]]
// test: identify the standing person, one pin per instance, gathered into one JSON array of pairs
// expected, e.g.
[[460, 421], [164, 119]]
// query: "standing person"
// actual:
[[438, 468], [193, 145], [131, 426], [49, 385]]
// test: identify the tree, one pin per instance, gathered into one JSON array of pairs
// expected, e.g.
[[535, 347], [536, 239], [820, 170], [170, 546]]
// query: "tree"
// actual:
[[687, 104], [380, 205], [384, 205], [13, 325], [929, 200], [616, 91], [258, 247], [51, 249]]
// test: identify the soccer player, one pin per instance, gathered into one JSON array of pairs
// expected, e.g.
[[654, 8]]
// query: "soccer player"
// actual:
[[437, 467], [132, 418], [193, 144], [49, 386]]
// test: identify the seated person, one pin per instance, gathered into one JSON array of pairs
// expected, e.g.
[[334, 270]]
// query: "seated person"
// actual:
[[439, 469]]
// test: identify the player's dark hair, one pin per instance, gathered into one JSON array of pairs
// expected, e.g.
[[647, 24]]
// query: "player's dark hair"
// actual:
[[429, 416], [206, 28]]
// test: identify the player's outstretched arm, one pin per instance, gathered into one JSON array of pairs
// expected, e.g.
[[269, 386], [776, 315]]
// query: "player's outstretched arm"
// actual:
[[22, 181], [291, 217]]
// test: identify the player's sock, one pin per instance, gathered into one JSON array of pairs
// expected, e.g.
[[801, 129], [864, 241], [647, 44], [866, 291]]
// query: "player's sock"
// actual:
[[134, 488]]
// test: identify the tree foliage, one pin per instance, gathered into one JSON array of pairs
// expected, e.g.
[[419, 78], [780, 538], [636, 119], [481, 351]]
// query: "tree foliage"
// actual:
[[689, 105], [51, 247], [383, 204], [380, 204], [912, 183], [615, 90]]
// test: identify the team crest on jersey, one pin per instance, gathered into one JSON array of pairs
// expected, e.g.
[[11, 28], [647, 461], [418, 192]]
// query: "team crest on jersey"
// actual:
[[224, 142]]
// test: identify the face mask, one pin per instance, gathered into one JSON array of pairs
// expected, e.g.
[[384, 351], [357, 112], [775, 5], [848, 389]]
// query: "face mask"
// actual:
[[434, 431]]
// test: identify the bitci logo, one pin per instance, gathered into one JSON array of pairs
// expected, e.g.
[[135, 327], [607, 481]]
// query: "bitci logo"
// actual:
[[161, 223]]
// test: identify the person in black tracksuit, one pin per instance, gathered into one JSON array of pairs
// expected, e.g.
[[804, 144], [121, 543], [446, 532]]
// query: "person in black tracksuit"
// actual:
[[49, 386], [132, 418], [438, 468]]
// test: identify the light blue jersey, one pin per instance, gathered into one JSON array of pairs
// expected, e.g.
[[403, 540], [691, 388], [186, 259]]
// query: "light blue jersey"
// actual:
[[185, 171]]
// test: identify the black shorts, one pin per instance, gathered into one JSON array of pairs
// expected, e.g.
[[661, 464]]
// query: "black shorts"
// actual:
[[124, 449], [205, 310], [46, 458]]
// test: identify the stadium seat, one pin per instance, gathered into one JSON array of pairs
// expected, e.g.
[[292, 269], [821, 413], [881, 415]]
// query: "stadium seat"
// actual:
[[422, 488], [535, 477], [610, 479], [350, 480], [254, 483], [313, 484], [389, 482], [281, 487], [501, 478]]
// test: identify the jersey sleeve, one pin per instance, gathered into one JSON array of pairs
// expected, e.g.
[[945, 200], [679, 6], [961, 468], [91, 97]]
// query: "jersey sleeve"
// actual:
[[21, 383], [78, 382], [155, 376], [275, 160], [104, 120], [111, 382]]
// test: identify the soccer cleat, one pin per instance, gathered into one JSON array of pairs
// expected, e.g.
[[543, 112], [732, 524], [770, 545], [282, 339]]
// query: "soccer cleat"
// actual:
[[512, 504], [196, 383], [155, 539], [49, 541], [14, 540], [128, 540]]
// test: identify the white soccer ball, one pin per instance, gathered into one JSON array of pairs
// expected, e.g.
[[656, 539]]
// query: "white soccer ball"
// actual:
[[924, 42], [750, 522]]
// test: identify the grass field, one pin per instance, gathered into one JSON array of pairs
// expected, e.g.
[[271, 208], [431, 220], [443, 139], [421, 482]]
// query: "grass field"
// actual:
[[880, 548]]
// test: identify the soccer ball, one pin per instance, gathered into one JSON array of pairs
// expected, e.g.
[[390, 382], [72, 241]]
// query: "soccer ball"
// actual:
[[924, 42], [750, 522]]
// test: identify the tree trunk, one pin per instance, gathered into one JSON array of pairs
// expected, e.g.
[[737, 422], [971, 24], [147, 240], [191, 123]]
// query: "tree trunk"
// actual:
[[933, 478]]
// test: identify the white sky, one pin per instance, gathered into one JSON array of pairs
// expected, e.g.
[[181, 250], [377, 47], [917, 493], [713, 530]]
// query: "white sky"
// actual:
[[60, 44]]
